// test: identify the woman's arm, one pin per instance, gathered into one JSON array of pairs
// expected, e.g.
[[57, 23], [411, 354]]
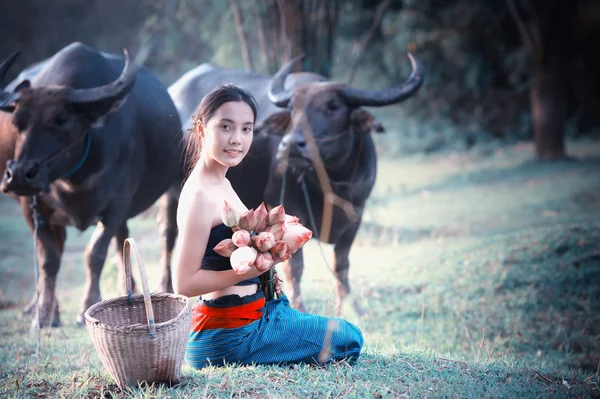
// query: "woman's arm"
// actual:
[[194, 220]]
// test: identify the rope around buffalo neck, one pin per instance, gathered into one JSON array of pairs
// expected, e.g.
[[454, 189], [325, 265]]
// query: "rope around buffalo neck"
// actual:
[[313, 224], [349, 295], [70, 146], [86, 152]]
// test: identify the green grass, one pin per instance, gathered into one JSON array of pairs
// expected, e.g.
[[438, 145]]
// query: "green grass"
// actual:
[[479, 274]]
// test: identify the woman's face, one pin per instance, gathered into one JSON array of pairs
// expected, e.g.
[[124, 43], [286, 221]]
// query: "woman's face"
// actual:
[[227, 136]]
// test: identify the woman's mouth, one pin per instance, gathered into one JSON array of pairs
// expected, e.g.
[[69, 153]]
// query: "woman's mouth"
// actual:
[[233, 152]]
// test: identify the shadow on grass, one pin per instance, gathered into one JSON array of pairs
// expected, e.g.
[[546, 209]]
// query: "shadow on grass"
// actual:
[[559, 304]]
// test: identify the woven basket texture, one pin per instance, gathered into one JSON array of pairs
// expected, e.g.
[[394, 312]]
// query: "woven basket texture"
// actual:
[[140, 337]]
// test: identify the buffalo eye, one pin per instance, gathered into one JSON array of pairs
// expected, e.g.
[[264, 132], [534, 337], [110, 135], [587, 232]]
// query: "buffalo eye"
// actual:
[[60, 120], [332, 106]]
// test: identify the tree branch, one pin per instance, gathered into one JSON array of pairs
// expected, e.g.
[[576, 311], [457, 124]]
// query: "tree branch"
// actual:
[[534, 26], [530, 32], [363, 41], [262, 45], [512, 8], [237, 16]]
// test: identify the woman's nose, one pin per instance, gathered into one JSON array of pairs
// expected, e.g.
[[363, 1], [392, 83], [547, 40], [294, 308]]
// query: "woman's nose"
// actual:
[[236, 137]]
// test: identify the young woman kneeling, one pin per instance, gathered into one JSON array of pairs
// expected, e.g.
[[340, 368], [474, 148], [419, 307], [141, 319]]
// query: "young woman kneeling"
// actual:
[[232, 323]]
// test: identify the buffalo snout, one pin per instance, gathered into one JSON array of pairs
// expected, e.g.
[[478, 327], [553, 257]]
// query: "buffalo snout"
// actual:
[[24, 178], [293, 147], [298, 148]]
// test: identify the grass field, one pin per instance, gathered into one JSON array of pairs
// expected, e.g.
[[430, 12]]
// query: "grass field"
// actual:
[[479, 273]]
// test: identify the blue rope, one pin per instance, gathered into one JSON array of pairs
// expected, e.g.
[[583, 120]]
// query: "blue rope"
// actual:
[[88, 144]]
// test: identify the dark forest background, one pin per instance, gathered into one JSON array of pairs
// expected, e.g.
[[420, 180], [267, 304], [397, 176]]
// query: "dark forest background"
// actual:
[[496, 70]]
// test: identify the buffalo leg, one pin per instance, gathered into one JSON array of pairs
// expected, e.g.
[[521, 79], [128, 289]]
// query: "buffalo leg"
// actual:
[[95, 256], [49, 260], [292, 274], [341, 266], [50, 245], [122, 234], [167, 225]]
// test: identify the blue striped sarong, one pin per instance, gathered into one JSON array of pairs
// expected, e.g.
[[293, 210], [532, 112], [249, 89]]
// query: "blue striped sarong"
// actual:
[[282, 335]]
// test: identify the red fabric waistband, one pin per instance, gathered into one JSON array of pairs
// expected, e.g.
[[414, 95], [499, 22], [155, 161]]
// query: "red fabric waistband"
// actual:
[[209, 318]]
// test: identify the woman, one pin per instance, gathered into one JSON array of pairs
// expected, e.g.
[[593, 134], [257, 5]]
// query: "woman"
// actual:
[[231, 323]]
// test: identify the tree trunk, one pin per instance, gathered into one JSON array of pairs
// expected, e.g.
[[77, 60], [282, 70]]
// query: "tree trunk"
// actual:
[[239, 25], [547, 28], [289, 28], [548, 98]]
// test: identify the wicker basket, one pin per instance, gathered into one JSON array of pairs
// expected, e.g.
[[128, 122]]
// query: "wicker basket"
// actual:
[[140, 337]]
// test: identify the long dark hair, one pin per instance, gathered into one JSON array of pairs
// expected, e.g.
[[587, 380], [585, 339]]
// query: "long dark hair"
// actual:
[[206, 109]]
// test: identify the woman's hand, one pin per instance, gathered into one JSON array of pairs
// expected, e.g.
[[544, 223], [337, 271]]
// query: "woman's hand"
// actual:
[[280, 260], [278, 284]]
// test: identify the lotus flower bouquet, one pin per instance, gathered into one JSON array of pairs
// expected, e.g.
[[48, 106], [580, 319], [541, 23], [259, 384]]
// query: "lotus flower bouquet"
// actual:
[[260, 238]]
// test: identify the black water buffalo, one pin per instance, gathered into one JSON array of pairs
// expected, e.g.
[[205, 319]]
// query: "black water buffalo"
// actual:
[[187, 92], [93, 139], [341, 131]]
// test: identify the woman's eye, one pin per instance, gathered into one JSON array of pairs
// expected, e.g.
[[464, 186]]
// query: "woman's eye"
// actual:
[[225, 127], [247, 130]]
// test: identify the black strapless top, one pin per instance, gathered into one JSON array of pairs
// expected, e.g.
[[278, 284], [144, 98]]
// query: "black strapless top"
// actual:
[[214, 261]]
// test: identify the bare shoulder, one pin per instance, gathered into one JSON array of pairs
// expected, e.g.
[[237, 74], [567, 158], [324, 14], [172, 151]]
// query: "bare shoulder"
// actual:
[[196, 203]]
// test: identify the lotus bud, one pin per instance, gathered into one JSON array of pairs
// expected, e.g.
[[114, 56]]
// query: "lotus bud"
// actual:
[[241, 238], [264, 260], [264, 241], [229, 215], [261, 217], [242, 259], [277, 230], [225, 247], [279, 250], [295, 236], [289, 219], [247, 220], [276, 215]]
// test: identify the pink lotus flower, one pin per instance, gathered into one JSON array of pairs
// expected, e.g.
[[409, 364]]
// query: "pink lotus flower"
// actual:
[[279, 250], [225, 248], [242, 259], [247, 220], [264, 241], [261, 217], [276, 215], [264, 260], [289, 219], [277, 230], [295, 236], [229, 215], [241, 238]]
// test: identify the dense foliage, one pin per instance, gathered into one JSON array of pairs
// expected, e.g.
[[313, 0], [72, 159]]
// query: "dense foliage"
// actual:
[[479, 72]]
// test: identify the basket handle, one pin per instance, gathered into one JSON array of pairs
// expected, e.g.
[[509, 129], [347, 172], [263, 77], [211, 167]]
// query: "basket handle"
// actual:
[[127, 247]]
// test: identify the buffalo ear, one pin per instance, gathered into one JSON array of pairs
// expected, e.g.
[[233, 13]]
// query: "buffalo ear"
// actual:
[[25, 84], [8, 100], [276, 124], [364, 122]]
